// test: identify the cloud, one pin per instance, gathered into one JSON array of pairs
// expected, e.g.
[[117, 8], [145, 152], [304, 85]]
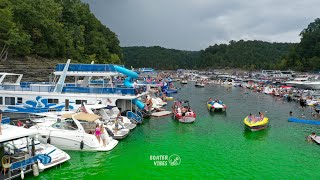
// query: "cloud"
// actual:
[[196, 24]]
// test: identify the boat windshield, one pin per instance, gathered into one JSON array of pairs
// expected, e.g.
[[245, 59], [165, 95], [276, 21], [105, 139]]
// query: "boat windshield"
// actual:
[[67, 124], [89, 127]]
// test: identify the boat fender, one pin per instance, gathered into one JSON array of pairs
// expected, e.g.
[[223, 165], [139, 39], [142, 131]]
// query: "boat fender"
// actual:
[[22, 174], [35, 170], [81, 144], [48, 140]]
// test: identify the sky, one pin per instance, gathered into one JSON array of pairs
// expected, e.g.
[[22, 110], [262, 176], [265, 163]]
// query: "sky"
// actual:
[[197, 24]]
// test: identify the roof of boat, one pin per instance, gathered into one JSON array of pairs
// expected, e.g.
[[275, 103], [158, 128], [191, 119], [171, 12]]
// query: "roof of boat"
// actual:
[[82, 116], [10, 132]]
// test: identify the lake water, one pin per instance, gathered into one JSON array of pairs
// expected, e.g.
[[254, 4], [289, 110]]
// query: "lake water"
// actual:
[[216, 146]]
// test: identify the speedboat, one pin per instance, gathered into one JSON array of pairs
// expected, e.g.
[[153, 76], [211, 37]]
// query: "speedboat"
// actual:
[[74, 132], [115, 127], [109, 115], [16, 164], [256, 123], [182, 112], [199, 84], [22, 153], [215, 106], [47, 154], [184, 81]]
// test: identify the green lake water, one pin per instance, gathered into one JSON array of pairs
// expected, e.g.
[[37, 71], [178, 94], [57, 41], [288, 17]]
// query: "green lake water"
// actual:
[[216, 146]]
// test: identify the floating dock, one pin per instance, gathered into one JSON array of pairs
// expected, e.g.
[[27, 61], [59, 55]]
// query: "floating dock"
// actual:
[[161, 113]]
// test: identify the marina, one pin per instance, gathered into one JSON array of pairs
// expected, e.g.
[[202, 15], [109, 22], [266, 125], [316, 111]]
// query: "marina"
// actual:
[[230, 148], [159, 90]]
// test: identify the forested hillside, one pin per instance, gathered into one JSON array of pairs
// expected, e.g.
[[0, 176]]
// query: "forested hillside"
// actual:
[[305, 56], [244, 54], [241, 54], [160, 58], [55, 29]]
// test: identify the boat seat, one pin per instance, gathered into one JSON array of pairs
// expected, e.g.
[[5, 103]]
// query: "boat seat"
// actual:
[[5, 163], [104, 114]]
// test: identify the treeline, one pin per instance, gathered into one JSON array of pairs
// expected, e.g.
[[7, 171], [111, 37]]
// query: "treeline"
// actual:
[[55, 29], [305, 56], [160, 58], [242, 54]]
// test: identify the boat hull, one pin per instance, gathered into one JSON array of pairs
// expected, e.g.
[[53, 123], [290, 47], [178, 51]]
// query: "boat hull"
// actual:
[[68, 141], [256, 126], [212, 108], [185, 118]]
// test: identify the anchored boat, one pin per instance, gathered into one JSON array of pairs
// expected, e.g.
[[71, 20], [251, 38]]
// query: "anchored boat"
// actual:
[[74, 132], [215, 106], [256, 123], [182, 112]]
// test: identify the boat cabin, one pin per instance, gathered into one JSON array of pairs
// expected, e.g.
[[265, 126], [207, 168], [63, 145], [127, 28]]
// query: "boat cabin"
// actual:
[[15, 162]]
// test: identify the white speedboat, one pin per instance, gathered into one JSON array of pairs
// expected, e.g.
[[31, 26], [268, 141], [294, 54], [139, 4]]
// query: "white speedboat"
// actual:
[[216, 107], [16, 164], [184, 81], [117, 132], [74, 132], [298, 82], [109, 114], [199, 84], [47, 154]]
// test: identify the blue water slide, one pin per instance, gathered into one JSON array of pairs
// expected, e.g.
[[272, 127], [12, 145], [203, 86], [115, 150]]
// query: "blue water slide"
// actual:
[[128, 82], [138, 103], [126, 71], [305, 121]]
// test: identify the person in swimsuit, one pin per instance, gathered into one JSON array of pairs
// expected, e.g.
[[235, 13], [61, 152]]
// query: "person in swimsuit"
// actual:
[[98, 132], [103, 135]]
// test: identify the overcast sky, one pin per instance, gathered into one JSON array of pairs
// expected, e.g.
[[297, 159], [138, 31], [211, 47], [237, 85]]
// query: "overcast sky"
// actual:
[[196, 24]]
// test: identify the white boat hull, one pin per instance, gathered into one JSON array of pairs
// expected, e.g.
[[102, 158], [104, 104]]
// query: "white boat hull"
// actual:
[[69, 141]]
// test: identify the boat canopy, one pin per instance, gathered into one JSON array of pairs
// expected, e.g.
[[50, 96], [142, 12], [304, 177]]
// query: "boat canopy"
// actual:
[[10, 132], [82, 116]]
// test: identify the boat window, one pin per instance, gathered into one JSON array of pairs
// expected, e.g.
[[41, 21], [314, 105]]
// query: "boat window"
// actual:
[[10, 100], [88, 126], [1, 100], [67, 124], [55, 101], [81, 101], [19, 100]]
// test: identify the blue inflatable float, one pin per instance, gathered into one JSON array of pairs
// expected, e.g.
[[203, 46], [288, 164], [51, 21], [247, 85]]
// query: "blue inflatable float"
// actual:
[[304, 121]]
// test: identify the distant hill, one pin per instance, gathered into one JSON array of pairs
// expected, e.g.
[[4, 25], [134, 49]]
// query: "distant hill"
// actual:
[[159, 57], [241, 54]]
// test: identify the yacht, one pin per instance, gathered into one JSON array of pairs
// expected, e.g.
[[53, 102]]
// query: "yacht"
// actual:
[[74, 132], [72, 85], [313, 84], [277, 74], [298, 82]]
